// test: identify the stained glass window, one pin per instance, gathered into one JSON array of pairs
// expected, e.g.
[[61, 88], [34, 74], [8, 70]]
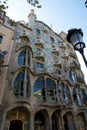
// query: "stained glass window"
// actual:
[[39, 89], [76, 95], [50, 83], [66, 93], [27, 79], [24, 58], [51, 90], [19, 84], [72, 76]]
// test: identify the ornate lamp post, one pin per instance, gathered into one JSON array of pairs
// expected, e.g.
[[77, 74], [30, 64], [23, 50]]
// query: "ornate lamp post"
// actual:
[[86, 3], [75, 36]]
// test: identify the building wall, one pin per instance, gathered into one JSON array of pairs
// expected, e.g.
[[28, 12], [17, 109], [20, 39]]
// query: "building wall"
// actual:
[[6, 45], [44, 86]]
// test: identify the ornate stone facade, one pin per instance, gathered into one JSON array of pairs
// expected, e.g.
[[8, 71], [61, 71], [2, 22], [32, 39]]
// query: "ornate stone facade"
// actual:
[[44, 87]]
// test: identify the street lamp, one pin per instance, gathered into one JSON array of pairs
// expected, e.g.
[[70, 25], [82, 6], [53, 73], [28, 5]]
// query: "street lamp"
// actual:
[[75, 36]]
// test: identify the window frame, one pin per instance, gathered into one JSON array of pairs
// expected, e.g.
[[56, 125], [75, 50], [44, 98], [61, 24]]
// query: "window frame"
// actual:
[[20, 89]]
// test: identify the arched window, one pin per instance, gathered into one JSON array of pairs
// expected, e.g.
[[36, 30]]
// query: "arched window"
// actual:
[[17, 119], [84, 95], [76, 95], [51, 90], [51, 39], [38, 32], [39, 89], [22, 84], [24, 58], [54, 122]]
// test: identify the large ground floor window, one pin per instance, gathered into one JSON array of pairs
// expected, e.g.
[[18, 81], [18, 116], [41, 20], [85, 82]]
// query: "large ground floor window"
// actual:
[[17, 119], [16, 125], [39, 123]]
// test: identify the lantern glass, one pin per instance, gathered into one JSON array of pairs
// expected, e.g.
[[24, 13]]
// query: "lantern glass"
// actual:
[[76, 38]]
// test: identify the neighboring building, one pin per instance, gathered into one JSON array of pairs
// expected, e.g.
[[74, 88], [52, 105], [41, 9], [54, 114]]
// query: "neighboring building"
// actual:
[[6, 41], [43, 87]]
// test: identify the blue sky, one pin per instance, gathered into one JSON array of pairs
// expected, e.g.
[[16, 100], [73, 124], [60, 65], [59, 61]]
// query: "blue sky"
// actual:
[[61, 15]]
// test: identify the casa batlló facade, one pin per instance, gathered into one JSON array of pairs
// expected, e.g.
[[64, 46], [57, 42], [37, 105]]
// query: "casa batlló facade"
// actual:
[[42, 86]]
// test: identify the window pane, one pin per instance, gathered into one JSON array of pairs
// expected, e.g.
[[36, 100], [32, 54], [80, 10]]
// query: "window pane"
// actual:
[[76, 96], [19, 84], [72, 76], [38, 89], [37, 32], [84, 95], [22, 58], [52, 39], [28, 58], [27, 84], [51, 90], [50, 83], [1, 37], [66, 94]]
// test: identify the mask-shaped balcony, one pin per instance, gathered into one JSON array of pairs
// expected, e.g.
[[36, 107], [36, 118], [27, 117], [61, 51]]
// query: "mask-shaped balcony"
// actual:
[[65, 55], [24, 38], [39, 56], [25, 42], [39, 43], [57, 72], [57, 63], [55, 52], [62, 46]]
